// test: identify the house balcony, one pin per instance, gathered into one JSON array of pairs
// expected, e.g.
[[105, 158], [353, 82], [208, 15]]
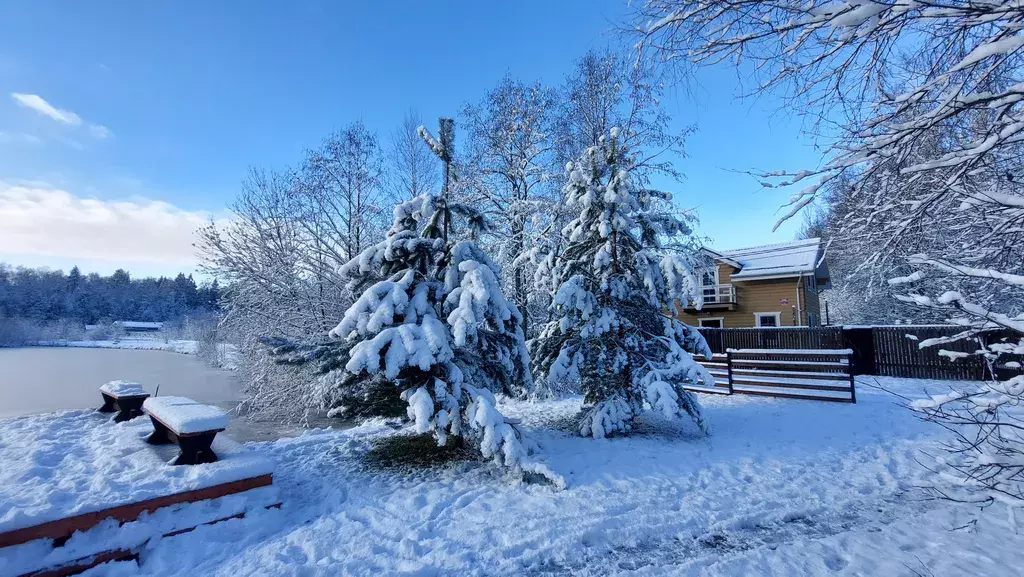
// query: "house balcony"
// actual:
[[716, 297]]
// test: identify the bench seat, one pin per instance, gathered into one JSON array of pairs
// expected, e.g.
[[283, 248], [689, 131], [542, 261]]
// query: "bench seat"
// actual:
[[190, 425], [125, 397]]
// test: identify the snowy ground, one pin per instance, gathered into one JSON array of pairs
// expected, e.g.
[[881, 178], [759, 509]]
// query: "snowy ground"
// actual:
[[782, 487], [59, 465]]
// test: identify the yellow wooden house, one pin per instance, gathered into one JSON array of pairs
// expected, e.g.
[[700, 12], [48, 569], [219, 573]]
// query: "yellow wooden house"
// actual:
[[772, 285]]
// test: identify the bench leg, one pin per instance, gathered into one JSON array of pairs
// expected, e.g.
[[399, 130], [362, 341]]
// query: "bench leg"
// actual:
[[129, 409], [108, 404], [127, 415], [196, 450], [159, 434]]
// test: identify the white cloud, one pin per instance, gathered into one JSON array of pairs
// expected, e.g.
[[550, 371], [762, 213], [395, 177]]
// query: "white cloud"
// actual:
[[36, 220], [36, 102], [19, 137], [100, 131]]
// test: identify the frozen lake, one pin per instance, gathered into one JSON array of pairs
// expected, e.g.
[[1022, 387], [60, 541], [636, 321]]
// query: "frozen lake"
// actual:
[[39, 379], [43, 379]]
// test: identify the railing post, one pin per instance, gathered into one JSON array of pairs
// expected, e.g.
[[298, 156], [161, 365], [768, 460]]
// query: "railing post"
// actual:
[[728, 367], [853, 387]]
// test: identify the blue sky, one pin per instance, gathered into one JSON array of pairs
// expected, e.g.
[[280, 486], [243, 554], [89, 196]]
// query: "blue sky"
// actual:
[[148, 114]]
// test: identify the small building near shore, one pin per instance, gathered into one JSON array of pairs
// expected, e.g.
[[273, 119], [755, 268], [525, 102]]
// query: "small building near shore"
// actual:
[[139, 326]]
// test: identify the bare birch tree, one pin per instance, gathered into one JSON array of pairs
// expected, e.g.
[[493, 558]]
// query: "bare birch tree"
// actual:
[[924, 104], [509, 168], [605, 90], [280, 256], [412, 168]]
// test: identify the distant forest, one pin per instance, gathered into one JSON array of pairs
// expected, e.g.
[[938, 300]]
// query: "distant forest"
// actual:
[[46, 295]]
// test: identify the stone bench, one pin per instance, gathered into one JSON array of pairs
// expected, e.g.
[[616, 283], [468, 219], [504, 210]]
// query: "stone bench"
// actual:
[[124, 397], [190, 425]]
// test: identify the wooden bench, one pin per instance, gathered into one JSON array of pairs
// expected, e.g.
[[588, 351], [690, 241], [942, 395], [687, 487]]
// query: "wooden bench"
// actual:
[[124, 397], [190, 425]]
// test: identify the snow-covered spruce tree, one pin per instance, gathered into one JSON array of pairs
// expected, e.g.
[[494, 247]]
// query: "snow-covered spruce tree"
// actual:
[[432, 320], [614, 289]]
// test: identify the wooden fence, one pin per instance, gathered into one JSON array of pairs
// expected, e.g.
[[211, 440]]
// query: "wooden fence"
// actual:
[[877, 350], [819, 375], [718, 366], [721, 340], [897, 354]]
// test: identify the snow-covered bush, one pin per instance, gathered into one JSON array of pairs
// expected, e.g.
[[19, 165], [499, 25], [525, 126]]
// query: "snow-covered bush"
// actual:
[[105, 331], [19, 332], [614, 289]]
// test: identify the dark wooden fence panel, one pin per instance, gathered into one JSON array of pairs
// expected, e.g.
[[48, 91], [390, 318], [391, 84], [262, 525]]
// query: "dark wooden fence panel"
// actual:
[[773, 338], [879, 350]]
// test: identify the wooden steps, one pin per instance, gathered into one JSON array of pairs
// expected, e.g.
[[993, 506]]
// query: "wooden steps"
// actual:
[[87, 562]]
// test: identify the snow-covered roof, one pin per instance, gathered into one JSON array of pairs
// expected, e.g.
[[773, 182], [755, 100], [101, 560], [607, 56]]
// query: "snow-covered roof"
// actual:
[[796, 258], [139, 325]]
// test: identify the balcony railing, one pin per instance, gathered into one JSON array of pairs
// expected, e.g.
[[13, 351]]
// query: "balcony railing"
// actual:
[[722, 294]]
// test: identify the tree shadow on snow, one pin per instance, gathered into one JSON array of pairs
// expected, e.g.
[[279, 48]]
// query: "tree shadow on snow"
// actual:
[[406, 452]]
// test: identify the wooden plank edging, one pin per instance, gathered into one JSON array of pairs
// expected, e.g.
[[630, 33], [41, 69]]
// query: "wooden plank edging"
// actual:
[[84, 563], [66, 527], [89, 561]]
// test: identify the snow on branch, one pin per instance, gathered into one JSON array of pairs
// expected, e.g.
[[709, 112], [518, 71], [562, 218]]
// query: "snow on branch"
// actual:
[[432, 142], [961, 270], [842, 64]]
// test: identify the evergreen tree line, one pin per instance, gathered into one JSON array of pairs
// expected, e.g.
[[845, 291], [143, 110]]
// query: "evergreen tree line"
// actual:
[[44, 296]]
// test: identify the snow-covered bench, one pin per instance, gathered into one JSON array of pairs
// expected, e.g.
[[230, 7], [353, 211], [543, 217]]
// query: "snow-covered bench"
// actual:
[[190, 425], [124, 397]]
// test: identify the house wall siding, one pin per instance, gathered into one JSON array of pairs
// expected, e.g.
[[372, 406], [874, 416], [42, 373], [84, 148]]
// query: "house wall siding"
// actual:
[[812, 304], [761, 296]]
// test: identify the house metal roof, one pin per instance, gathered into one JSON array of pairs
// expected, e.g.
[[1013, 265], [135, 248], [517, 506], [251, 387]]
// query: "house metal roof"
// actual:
[[782, 259]]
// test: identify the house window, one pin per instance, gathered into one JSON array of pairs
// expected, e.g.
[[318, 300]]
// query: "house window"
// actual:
[[709, 284], [709, 278], [711, 323], [768, 319]]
